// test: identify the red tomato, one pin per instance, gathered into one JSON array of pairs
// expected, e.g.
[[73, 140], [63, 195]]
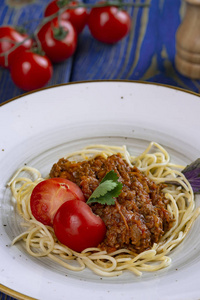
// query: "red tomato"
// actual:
[[8, 37], [108, 24], [31, 71], [77, 227], [49, 195], [57, 46], [76, 16]]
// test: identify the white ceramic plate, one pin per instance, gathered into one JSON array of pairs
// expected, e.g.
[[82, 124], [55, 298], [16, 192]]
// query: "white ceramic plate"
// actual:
[[41, 127]]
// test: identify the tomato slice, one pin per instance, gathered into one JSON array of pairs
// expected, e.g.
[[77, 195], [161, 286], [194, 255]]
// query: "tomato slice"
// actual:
[[49, 195]]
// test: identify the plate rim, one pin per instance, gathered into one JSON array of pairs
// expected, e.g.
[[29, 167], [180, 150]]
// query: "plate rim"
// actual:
[[100, 81], [12, 293]]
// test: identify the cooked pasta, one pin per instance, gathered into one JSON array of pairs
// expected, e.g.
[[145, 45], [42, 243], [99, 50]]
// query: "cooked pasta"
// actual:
[[154, 162]]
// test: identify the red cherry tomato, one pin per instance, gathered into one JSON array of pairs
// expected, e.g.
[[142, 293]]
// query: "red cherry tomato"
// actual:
[[76, 16], [58, 40], [49, 195], [8, 38], [108, 24], [77, 227], [31, 71]]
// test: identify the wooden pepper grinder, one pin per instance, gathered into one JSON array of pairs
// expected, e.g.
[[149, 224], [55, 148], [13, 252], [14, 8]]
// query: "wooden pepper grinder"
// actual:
[[187, 59]]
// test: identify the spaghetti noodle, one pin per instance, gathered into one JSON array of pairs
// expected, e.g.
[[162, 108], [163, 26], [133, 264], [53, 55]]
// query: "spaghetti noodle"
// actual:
[[154, 162]]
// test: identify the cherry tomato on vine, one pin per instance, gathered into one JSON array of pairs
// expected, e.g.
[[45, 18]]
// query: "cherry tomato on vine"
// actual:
[[31, 71], [109, 24], [77, 227], [58, 40], [76, 16], [49, 195], [9, 36]]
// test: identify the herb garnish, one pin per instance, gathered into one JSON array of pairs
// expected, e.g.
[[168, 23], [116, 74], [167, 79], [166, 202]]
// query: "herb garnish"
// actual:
[[108, 189]]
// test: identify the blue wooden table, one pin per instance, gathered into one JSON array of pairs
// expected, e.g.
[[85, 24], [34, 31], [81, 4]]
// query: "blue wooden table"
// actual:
[[146, 54]]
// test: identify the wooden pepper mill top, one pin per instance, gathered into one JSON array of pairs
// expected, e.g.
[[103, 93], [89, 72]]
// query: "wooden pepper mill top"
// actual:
[[187, 59]]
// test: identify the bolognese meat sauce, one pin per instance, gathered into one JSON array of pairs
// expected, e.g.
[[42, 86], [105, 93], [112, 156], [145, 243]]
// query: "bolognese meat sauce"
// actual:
[[139, 217]]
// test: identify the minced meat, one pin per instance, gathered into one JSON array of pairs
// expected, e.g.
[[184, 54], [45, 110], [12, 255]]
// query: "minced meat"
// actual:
[[139, 217]]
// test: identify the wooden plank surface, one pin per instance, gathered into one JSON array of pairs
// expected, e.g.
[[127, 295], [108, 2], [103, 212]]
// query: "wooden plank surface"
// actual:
[[147, 53]]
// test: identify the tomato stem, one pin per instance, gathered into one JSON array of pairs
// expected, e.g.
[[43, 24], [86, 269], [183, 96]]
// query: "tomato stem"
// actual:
[[16, 45], [62, 3], [117, 3], [59, 33], [7, 40], [66, 4], [20, 29]]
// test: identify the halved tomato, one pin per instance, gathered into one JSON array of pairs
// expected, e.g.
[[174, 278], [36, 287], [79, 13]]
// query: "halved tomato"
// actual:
[[77, 227], [49, 195]]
